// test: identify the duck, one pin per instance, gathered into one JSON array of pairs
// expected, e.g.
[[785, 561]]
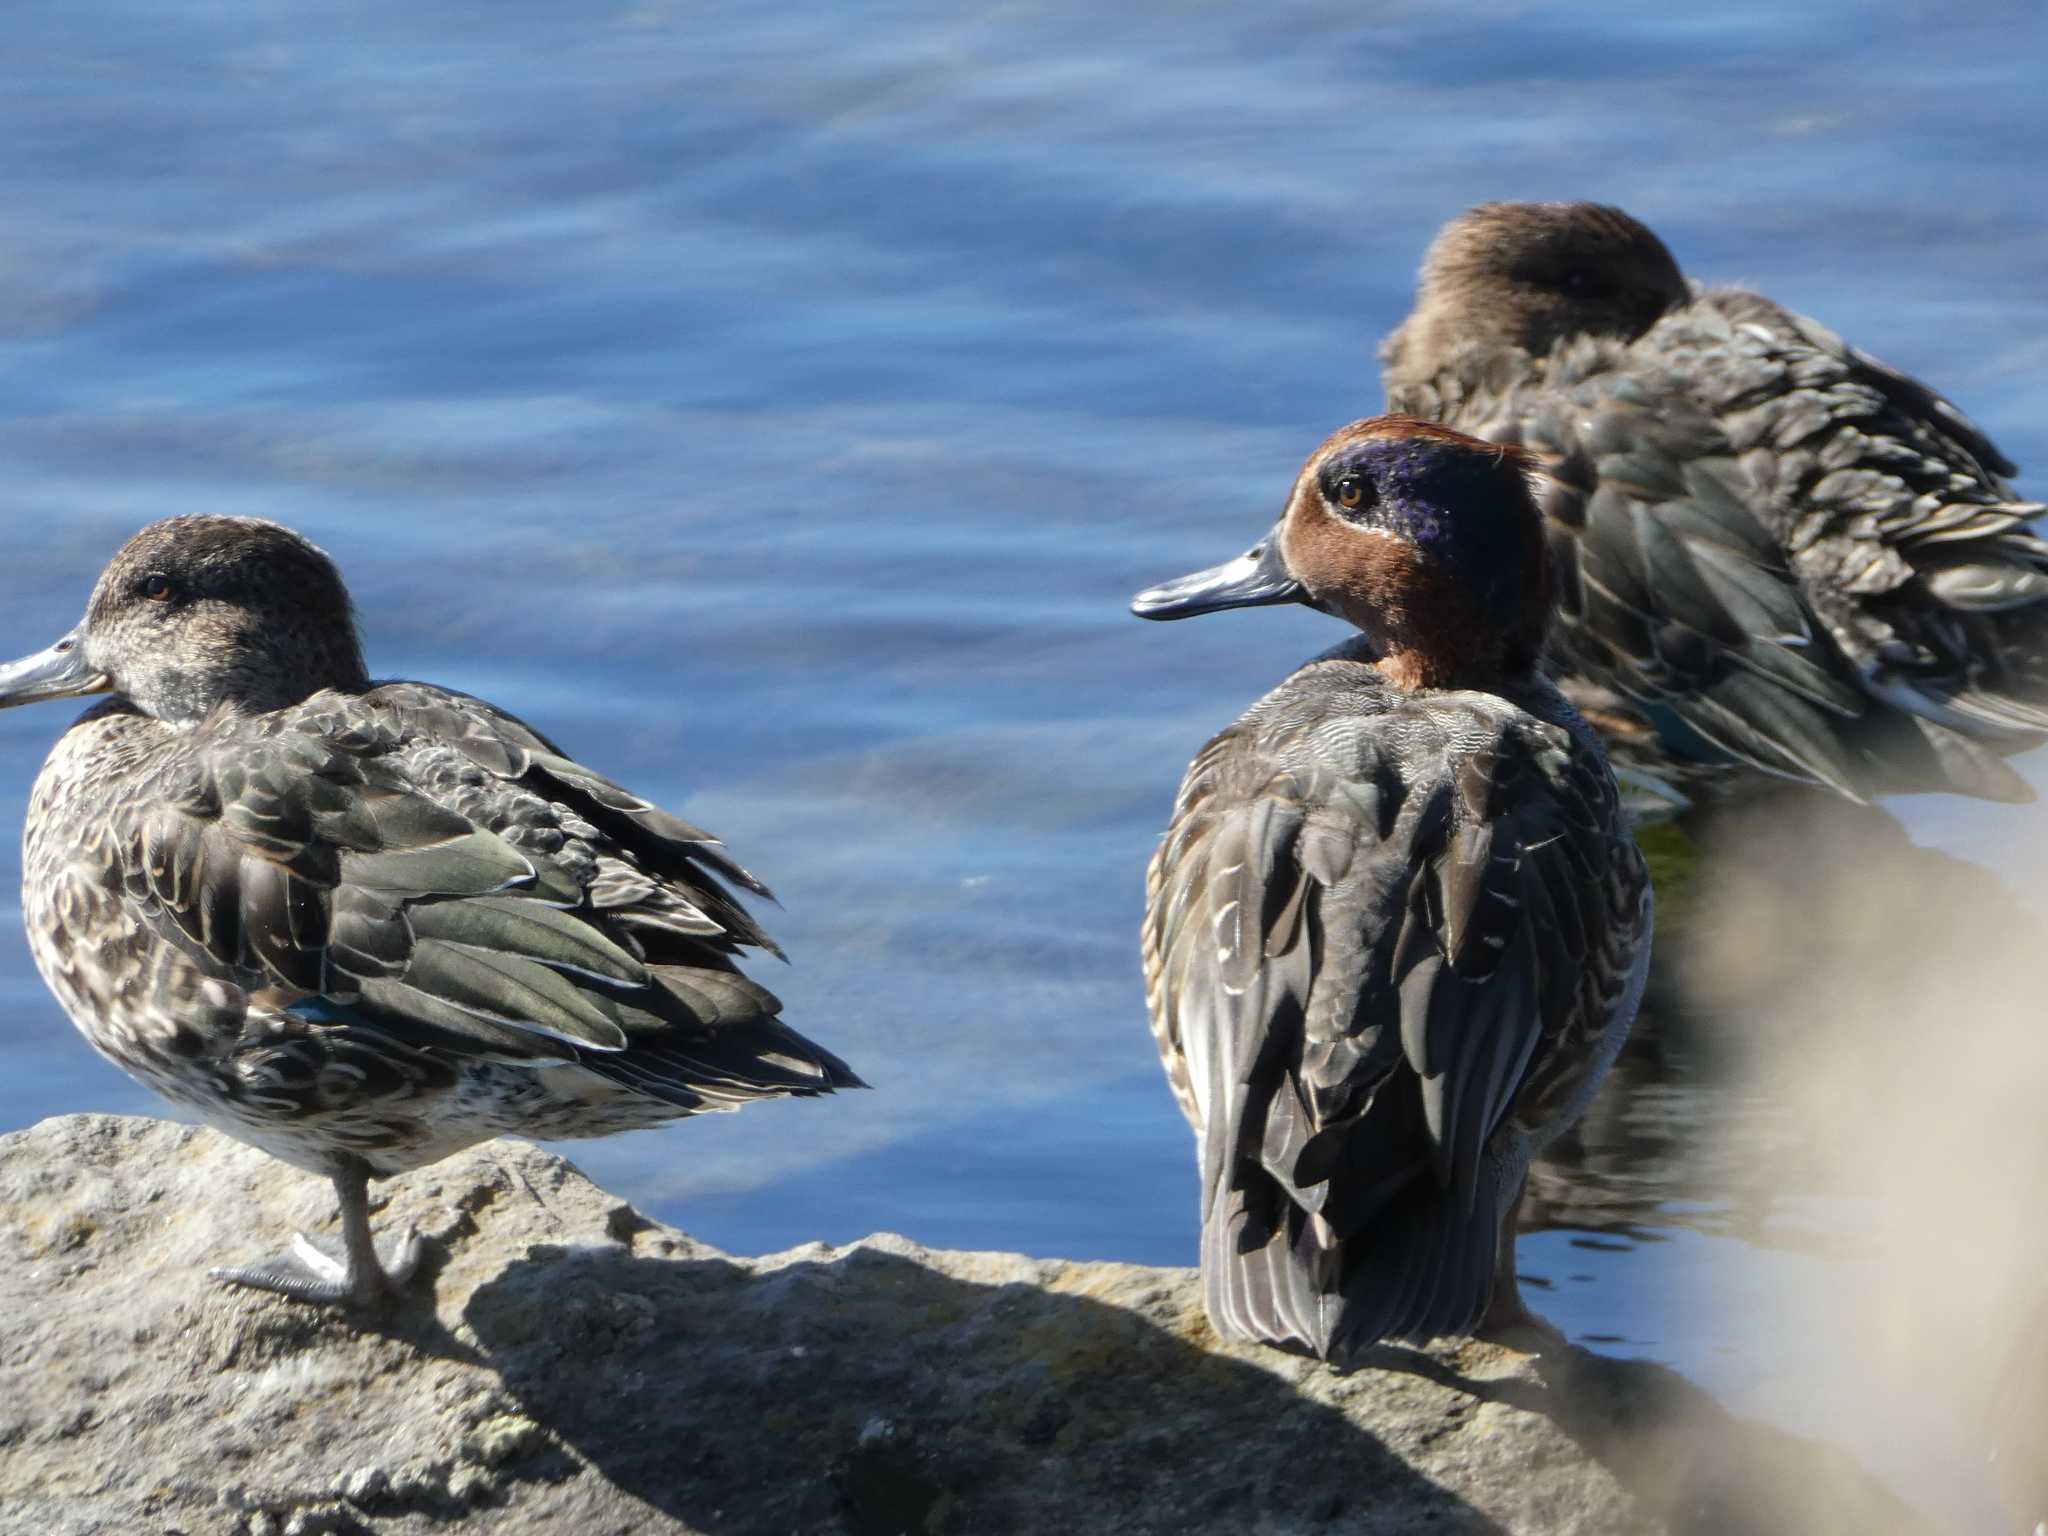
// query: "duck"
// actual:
[[1397, 928], [363, 925], [1777, 558]]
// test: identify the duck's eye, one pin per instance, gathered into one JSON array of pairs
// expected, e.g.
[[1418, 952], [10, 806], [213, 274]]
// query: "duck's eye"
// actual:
[[156, 586], [1579, 282], [1350, 492]]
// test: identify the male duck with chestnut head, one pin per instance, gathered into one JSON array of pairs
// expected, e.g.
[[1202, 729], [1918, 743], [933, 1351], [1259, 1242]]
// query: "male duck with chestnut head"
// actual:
[[1396, 930]]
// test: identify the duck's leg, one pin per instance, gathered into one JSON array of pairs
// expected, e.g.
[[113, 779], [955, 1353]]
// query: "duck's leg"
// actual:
[[361, 1276], [1507, 1320]]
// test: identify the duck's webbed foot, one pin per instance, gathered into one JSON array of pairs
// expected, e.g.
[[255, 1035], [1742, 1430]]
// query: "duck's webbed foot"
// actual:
[[307, 1272], [360, 1277]]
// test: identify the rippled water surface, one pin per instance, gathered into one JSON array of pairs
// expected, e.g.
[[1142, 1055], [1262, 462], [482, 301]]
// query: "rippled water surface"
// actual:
[[778, 405]]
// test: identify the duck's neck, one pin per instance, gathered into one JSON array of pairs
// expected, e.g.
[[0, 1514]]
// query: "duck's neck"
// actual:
[[1411, 668], [253, 684]]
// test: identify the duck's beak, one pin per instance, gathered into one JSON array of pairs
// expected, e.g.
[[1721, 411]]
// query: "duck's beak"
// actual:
[[1255, 578], [57, 673]]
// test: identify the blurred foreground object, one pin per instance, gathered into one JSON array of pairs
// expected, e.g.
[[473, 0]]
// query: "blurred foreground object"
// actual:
[[1888, 1000]]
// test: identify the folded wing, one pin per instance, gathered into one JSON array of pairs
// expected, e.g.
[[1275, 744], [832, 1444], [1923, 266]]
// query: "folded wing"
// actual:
[[1358, 977], [403, 880]]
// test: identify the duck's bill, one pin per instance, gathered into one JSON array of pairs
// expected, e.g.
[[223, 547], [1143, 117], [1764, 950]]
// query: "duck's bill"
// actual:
[[1255, 578], [57, 673]]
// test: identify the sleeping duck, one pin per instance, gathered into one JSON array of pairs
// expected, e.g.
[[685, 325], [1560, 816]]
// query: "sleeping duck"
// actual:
[[1773, 553]]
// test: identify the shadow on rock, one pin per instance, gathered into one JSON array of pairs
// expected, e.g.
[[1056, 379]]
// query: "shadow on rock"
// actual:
[[578, 1368], [865, 1392]]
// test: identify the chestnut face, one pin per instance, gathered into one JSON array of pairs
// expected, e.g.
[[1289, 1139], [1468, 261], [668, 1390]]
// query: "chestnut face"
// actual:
[[1426, 539]]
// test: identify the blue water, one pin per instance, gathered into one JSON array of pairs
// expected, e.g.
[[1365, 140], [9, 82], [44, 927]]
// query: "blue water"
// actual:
[[778, 404]]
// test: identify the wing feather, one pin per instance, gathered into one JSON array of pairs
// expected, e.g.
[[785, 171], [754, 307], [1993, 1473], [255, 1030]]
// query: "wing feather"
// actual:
[[1772, 545], [412, 872]]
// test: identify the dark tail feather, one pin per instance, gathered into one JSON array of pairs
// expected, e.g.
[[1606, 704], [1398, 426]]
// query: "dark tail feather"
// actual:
[[1420, 1270], [720, 1068], [1259, 1288], [1423, 1270]]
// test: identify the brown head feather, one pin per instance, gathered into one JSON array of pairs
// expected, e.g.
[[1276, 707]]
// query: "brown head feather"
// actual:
[[1454, 592], [1530, 275], [195, 614]]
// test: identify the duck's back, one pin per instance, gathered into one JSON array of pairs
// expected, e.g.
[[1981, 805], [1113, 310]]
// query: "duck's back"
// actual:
[[376, 922], [1775, 551], [1392, 941]]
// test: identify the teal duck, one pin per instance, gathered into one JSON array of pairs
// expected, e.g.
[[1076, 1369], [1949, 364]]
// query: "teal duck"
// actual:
[[1396, 930], [1775, 554], [364, 925]]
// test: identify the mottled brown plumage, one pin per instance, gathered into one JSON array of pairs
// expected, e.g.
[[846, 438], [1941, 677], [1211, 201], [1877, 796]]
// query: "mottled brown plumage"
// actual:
[[1396, 930], [1773, 553], [365, 925]]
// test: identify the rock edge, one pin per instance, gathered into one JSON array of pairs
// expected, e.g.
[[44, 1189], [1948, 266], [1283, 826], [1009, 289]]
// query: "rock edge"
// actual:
[[569, 1365]]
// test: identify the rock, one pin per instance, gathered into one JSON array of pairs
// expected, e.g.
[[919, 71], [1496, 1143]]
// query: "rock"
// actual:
[[569, 1366]]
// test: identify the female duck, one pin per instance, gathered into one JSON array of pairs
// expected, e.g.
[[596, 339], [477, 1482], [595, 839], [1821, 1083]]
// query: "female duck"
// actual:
[[363, 926], [1773, 552], [1396, 930]]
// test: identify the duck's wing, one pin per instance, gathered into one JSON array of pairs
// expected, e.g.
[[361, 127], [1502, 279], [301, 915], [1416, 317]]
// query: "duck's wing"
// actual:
[[1684, 589], [1673, 594], [1903, 529], [375, 881], [645, 868], [1360, 965]]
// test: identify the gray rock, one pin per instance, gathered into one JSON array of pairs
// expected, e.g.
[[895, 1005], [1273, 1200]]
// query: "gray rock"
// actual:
[[578, 1368]]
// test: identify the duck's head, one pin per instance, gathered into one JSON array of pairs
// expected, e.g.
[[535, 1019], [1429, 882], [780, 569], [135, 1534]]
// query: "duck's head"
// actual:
[[1426, 539], [198, 614], [1528, 275]]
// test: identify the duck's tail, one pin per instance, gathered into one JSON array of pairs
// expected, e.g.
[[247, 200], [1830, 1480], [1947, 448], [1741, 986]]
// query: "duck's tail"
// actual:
[[1419, 1269], [724, 1067], [1957, 657]]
